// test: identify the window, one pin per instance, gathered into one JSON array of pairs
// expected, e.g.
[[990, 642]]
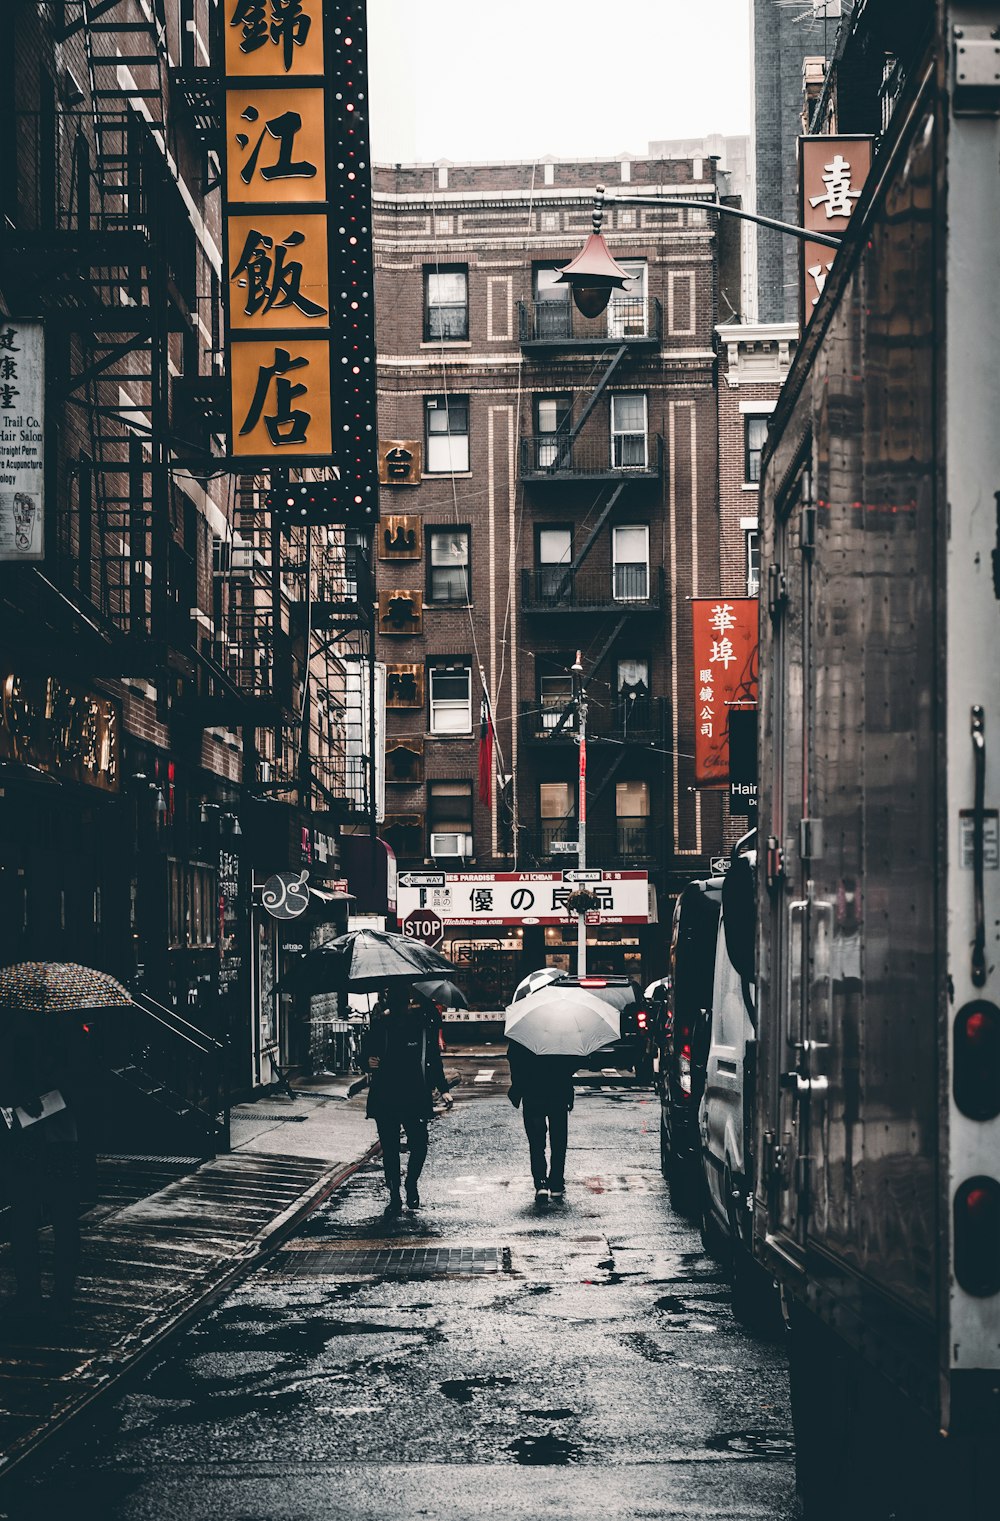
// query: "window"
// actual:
[[753, 562], [552, 309], [552, 414], [449, 818], [555, 555], [448, 565], [191, 904], [627, 308], [556, 813], [451, 699], [628, 431], [633, 694], [632, 818], [756, 433], [447, 434], [446, 303], [630, 548], [555, 691]]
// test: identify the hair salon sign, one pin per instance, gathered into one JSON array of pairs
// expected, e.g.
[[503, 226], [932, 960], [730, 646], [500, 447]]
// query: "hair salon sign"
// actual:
[[22, 440]]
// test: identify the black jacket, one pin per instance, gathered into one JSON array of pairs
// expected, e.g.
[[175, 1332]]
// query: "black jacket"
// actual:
[[409, 1067], [545, 1081]]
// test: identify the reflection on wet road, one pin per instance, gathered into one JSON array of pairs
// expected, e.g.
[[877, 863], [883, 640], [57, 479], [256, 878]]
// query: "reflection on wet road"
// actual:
[[487, 1356]]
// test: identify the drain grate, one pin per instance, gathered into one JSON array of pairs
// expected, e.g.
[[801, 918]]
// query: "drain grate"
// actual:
[[270, 1114], [395, 1262]]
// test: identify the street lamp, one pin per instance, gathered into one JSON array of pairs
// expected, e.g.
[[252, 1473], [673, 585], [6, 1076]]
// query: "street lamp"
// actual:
[[594, 274]]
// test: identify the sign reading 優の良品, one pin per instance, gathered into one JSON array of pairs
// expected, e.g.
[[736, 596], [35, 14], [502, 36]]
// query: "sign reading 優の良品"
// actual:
[[471, 898]]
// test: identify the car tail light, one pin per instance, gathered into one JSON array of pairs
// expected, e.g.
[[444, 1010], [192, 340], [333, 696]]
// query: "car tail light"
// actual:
[[684, 1066], [642, 1019], [976, 1060], [977, 1236], [593, 982]]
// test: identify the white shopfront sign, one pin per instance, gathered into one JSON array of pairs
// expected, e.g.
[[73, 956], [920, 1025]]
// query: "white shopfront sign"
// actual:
[[22, 440], [471, 899]]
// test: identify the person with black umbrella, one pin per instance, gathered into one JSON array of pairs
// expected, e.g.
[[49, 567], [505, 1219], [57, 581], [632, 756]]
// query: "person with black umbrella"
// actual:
[[403, 1059]]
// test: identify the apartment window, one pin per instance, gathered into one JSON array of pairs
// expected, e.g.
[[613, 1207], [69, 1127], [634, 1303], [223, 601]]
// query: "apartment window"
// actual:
[[447, 434], [446, 303], [556, 813], [630, 551], [449, 818], [627, 308], [448, 565], [191, 904], [755, 435], [552, 309], [552, 415], [632, 818], [553, 559], [450, 699], [633, 693], [555, 691], [628, 431], [753, 562]]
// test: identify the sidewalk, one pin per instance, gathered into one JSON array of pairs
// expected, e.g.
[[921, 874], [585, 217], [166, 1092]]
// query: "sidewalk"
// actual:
[[149, 1266]]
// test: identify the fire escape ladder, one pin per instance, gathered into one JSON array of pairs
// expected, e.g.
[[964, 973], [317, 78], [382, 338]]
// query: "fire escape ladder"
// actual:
[[606, 779], [567, 440], [567, 712], [567, 579]]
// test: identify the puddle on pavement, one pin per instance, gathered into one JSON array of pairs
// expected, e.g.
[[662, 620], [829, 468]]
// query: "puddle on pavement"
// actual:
[[545, 1449], [671, 1305], [753, 1444], [549, 1415], [462, 1390], [646, 1347]]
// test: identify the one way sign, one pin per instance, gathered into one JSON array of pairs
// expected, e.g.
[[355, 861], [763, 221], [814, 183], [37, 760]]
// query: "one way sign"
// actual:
[[421, 879]]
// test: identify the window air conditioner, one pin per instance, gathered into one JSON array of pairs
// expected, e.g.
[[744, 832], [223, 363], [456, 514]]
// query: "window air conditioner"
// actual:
[[451, 844]]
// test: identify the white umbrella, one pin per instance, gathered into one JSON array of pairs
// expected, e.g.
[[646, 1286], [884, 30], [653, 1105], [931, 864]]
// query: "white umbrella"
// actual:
[[562, 1021], [536, 980]]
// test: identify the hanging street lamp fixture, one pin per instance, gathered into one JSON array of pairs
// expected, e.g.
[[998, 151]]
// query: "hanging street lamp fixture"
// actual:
[[594, 274]]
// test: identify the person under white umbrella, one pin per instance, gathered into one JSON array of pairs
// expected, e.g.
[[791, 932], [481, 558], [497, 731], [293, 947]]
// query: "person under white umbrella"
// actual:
[[549, 1032]]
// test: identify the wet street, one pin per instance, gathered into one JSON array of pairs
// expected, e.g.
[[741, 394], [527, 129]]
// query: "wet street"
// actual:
[[487, 1356]]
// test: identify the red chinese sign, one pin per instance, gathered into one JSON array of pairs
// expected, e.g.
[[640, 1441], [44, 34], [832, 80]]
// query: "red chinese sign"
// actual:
[[832, 173], [725, 676]]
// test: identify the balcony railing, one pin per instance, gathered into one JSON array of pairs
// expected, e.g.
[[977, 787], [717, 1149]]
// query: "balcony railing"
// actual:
[[625, 456], [620, 588], [634, 320], [626, 720], [630, 842]]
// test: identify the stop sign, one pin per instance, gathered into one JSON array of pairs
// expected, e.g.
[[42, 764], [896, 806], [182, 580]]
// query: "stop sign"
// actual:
[[424, 924]]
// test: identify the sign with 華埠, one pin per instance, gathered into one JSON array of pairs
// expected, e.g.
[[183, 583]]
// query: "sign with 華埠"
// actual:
[[300, 338], [832, 173], [725, 677], [22, 440]]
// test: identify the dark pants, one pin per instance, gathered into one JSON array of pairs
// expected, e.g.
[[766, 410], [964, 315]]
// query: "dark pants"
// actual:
[[416, 1139], [540, 1116], [46, 1179]]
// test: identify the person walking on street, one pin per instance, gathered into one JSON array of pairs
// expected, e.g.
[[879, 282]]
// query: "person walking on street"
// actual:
[[403, 1059], [543, 1087]]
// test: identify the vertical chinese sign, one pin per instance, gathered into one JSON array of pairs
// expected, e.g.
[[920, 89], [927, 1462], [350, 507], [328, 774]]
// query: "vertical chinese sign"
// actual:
[[832, 173], [725, 677], [22, 441], [300, 291]]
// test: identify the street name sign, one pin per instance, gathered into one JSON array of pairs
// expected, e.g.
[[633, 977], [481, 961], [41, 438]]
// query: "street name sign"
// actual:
[[564, 847]]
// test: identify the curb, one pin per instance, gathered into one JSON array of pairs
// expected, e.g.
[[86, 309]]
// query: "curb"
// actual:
[[147, 1340]]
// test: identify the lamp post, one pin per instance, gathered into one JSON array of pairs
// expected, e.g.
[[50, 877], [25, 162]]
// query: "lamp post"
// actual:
[[581, 810], [594, 274]]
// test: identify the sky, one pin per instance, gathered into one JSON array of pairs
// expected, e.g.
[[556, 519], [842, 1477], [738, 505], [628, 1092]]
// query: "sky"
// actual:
[[466, 80]]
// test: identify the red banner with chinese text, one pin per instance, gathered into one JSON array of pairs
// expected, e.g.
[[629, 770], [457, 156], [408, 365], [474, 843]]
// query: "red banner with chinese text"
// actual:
[[725, 676]]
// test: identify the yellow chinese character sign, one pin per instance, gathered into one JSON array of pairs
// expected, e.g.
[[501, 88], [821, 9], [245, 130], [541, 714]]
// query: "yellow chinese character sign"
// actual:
[[298, 260]]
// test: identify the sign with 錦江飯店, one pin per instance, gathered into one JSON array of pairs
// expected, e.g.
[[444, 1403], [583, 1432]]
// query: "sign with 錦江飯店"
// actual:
[[300, 333]]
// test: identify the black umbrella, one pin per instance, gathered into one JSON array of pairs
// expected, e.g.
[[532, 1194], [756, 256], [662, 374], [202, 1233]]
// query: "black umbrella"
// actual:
[[441, 991], [364, 960]]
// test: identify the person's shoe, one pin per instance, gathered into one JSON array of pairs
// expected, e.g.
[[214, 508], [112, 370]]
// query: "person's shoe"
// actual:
[[412, 1197], [541, 1189], [556, 1189], [395, 1205]]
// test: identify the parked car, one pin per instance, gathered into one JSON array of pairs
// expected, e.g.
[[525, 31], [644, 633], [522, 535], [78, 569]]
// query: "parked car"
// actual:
[[726, 1112], [684, 1045], [656, 1000], [624, 995]]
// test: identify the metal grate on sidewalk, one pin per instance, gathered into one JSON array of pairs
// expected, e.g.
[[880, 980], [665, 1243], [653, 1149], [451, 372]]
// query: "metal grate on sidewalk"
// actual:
[[394, 1262]]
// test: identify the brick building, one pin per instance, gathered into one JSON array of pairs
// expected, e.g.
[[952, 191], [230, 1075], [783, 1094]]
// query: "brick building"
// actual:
[[550, 483]]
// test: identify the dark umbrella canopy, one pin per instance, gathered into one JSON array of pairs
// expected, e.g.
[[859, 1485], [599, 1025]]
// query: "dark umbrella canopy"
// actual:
[[58, 987], [364, 960], [443, 992]]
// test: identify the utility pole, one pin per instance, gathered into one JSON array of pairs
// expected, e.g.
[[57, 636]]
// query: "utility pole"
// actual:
[[581, 809]]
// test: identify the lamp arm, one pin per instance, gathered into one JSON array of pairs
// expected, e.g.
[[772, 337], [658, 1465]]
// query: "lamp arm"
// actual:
[[805, 233]]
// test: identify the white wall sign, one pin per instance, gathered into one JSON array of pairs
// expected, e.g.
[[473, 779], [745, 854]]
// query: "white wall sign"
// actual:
[[22, 440], [475, 898]]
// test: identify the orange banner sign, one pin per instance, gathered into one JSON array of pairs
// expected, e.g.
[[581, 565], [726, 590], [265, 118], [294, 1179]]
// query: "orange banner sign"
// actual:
[[725, 676]]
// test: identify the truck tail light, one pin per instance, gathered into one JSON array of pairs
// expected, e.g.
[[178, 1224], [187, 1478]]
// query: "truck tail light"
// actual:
[[977, 1236], [684, 1066], [642, 1019], [976, 1060]]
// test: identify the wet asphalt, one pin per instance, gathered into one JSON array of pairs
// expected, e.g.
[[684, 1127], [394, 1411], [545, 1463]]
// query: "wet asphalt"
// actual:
[[485, 1357]]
